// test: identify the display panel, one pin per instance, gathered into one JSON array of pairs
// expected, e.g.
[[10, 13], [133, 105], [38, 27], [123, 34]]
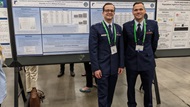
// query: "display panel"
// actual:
[[63, 21], [29, 44], [65, 44], [26, 20]]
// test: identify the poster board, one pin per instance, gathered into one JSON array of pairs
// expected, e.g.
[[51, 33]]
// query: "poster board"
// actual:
[[173, 18], [4, 30], [53, 32]]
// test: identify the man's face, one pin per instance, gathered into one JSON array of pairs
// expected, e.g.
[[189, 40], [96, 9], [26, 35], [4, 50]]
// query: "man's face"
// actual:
[[139, 11], [108, 12]]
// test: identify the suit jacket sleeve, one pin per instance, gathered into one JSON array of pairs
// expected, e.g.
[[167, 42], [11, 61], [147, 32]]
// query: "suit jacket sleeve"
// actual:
[[124, 34], [93, 48], [155, 38], [121, 46]]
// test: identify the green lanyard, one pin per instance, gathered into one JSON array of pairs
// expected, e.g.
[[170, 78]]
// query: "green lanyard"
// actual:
[[135, 34], [108, 33]]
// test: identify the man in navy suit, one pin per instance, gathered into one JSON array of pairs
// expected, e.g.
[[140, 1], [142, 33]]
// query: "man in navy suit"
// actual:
[[140, 43], [106, 54]]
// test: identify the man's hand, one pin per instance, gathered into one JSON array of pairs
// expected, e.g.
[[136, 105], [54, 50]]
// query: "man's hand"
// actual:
[[120, 70], [98, 74]]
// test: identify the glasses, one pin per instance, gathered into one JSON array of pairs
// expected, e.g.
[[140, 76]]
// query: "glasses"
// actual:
[[109, 11]]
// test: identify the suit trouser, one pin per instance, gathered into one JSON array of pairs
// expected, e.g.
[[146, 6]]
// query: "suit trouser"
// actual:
[[106, 88], [89, 78], [146, 78], [0, 105], [62, 67], [31, 77]]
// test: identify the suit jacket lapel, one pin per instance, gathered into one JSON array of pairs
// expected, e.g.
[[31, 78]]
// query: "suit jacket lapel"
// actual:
[[132, 26], [142, 31]]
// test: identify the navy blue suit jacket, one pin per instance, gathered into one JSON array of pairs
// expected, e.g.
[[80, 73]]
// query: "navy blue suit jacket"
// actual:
[[100, 51], [143, 60]]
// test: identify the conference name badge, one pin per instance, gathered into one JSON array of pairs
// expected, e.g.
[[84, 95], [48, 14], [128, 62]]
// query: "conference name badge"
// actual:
[[113, 49], [139, 48]]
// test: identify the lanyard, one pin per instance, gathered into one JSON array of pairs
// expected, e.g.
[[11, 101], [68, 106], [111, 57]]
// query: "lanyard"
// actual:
[[108, 33], [135, 33]]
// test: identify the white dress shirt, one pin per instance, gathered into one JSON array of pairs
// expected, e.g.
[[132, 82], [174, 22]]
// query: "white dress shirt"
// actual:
[[107, 24], [136, 24]]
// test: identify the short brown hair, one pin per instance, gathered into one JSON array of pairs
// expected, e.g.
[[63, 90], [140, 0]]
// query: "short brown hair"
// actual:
[[108, 4], [138, 2]]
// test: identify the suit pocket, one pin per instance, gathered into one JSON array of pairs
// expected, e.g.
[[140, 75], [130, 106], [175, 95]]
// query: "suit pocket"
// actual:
[[103, 39], [148, 55]]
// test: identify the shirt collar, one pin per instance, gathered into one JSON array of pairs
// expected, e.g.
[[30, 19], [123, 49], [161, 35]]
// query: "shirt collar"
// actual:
[[107, 24], [136, 23]]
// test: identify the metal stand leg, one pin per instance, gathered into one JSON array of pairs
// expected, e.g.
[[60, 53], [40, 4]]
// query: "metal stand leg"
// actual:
[[18, 81], [157, 89], [16, 70], [22, 88]]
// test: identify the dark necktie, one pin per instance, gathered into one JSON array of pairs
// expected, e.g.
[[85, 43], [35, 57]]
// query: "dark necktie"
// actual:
[[110, 32], [109, 28], [138, 30]]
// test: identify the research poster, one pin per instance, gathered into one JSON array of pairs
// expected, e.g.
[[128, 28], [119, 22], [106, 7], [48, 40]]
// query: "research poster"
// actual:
[[51, 27], [4, 30], [55, 27], [174, 22]]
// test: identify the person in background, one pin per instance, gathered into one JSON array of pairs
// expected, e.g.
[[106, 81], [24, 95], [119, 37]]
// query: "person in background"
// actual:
[[140, 44], [106, 54], [89, 78], [31, 77], [62, 70], [3, 89]]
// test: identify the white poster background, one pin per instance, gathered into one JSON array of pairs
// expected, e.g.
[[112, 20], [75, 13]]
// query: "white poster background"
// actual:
[[4, 31], [174, 24], [3, 12]]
